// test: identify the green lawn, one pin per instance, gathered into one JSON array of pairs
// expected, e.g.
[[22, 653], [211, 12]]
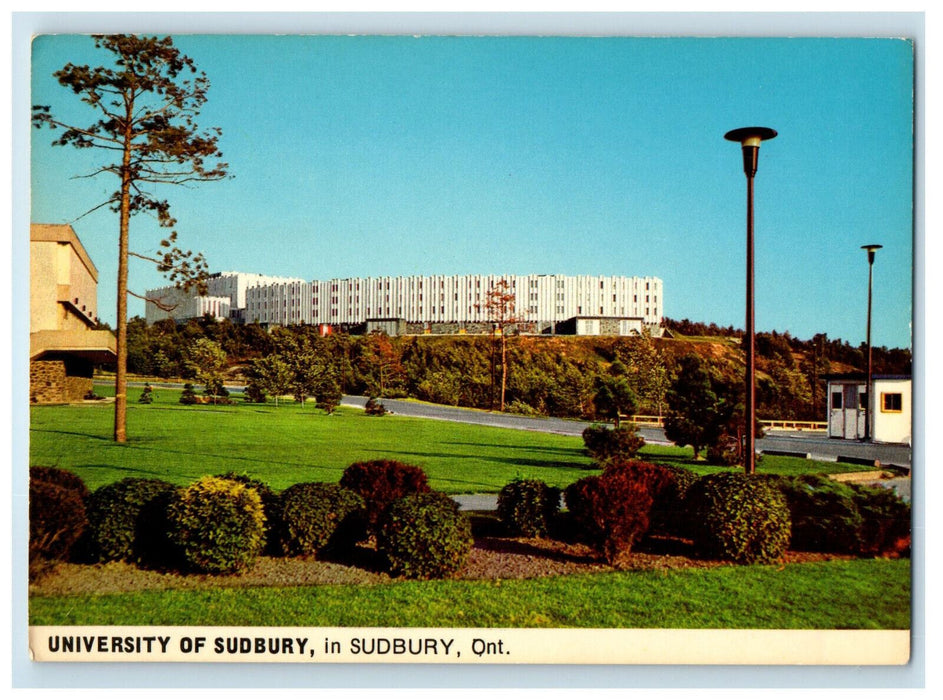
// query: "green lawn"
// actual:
[[291, 443], [294, 443], [860, 594]]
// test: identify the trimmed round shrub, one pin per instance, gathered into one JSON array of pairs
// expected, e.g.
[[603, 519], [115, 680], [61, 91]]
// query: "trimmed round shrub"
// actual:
[[128, 521], [528, 507], [611, 511], [60, 477], [218, 525], [188, 395], [424, 535], [270, 507], [381, 482], [253, 393], [57, 515], [374, 407], [739, 518], [669, 516], [885, 530], [604, 444], [317, 517], [823, 512], [725, 452]]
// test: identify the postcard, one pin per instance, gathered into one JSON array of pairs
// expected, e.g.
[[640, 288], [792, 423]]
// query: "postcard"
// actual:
[[454, 349]]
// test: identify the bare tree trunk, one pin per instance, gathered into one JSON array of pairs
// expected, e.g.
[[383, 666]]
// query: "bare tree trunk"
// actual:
[[121, 373], [504, 367]]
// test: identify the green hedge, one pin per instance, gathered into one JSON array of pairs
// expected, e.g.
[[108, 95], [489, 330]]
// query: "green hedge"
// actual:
[[128, 521], [528, 507], [218, 524], [315, 517], [424, 536], [739, 518]]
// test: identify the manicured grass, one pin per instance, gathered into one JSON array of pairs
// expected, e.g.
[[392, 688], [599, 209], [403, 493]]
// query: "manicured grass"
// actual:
[[767, 464], [289, 444], [293, 443], [858, 594]]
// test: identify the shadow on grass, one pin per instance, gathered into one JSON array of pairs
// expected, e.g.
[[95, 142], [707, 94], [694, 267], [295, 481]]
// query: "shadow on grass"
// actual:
[[90, 436], [538, 463], [568, 451]]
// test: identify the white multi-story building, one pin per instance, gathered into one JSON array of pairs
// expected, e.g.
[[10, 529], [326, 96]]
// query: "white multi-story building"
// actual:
[[590, 304], [542, 300], [225, 298]]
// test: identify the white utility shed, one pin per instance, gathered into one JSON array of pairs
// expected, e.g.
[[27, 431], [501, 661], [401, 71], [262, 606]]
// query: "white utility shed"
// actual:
[[890, 415]]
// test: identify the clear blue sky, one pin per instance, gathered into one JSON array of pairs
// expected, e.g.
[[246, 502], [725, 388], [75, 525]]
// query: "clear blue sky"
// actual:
[[372, 156]]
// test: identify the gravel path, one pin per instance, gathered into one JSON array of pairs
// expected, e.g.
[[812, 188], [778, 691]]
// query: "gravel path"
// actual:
[[491, 558]]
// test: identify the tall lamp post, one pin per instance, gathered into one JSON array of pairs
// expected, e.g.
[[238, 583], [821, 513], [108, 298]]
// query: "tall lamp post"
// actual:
[[871, 248], [749, 139]]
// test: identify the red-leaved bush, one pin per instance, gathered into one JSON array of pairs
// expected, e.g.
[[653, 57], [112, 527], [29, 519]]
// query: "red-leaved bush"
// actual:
[[57, 517], [611, 511], [381, 482]]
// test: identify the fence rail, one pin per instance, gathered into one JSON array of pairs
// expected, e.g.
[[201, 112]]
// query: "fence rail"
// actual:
[[809, 425], [795, 425]]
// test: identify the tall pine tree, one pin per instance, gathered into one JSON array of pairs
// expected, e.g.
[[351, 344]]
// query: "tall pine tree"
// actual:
[[146, 106]]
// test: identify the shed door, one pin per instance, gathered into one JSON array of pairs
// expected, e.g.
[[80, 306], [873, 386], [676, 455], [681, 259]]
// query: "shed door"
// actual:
[[862, 409], [854, 417], [846, 413], [836, 413]]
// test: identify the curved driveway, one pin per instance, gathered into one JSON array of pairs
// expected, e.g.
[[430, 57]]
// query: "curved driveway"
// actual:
[[816, 446]]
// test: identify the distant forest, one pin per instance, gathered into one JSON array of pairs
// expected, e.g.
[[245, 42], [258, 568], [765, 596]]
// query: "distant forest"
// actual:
[[884, 360], [546, 375]]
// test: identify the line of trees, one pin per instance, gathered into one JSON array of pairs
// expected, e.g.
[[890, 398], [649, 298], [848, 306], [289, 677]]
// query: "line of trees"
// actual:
[[593, 378]]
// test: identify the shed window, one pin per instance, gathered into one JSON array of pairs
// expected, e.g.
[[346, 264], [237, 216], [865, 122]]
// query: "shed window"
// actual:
[[836, 399], [891, 403]]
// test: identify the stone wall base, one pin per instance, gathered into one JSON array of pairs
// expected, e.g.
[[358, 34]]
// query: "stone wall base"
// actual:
[[59, 380]]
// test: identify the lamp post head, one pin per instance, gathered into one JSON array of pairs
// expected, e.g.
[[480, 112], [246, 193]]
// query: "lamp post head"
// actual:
[[749, 138], [871, 248]]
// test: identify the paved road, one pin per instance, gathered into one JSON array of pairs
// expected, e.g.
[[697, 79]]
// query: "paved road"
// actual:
[[559, 426], [817, 446]]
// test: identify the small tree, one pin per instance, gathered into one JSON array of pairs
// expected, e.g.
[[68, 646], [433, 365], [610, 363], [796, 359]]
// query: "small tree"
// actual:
[[646, 371], [501, 308], [207, 360], [614, 398], [147, 394], [380, 363], [272, 375], [696, 413], [329, 395], [146, 125]]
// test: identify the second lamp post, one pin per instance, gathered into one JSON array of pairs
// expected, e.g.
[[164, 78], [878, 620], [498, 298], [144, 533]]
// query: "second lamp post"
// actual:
[[749, 139], [868, 403]]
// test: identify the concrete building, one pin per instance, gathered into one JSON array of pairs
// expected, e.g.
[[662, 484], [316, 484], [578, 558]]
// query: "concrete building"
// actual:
[[225, 298], [64, 345], [890, 411], [457, 303]]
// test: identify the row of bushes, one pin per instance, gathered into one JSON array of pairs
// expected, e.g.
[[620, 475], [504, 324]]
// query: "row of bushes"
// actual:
[[726, 515], [220, 524]]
